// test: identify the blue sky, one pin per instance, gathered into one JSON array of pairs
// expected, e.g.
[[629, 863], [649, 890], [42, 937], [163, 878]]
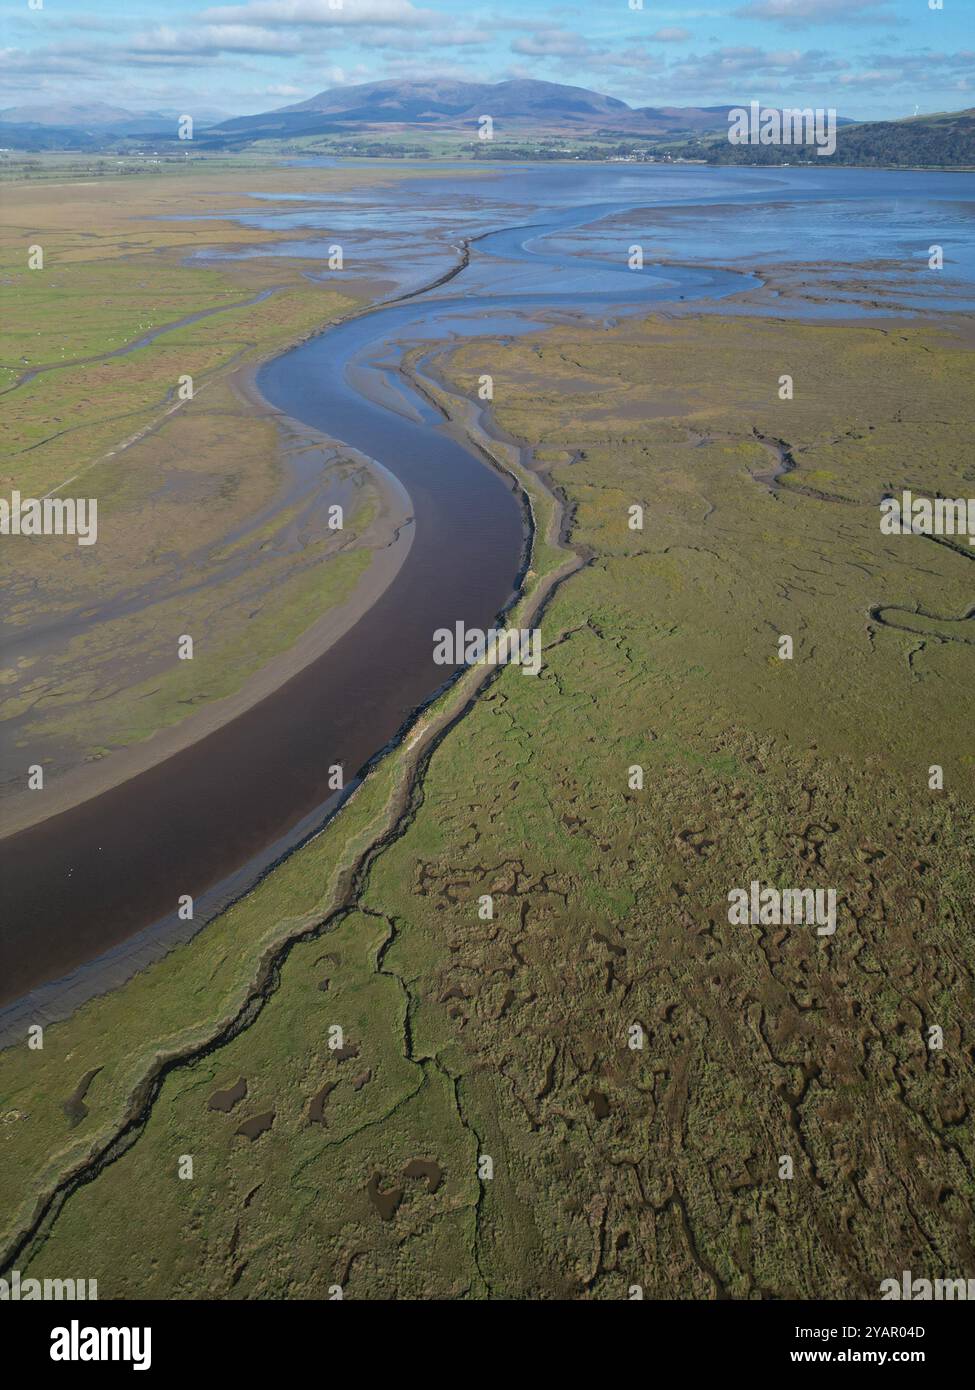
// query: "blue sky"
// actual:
[[868, 58]]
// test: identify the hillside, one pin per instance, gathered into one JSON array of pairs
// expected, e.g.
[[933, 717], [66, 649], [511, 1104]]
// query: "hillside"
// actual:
[[947, 139], [943, 140]]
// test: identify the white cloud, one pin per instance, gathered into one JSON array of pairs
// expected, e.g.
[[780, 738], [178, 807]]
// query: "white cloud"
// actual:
[[800, 14], [418, 43], [552, 43], [874, 78], [213, 38], [351, 13]]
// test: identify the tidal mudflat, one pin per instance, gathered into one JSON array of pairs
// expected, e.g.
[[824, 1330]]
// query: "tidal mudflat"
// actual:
[[508, 1036]]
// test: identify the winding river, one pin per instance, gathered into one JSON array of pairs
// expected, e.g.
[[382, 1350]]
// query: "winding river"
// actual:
[[90, 894]]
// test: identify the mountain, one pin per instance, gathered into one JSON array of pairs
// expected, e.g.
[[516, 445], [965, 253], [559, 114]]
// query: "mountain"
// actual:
[[386, 102], [65, 113], [95, 114], [520, 107], [91, 128], [34, 138]]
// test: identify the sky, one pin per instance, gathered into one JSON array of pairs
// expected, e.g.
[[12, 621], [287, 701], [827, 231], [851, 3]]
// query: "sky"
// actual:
[[869, 59]]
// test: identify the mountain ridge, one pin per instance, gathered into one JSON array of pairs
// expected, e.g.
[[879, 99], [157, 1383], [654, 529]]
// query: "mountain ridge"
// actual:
[[452, 105]]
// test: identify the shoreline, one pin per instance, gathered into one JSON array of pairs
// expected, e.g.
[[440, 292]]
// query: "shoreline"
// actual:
[[391, 547]]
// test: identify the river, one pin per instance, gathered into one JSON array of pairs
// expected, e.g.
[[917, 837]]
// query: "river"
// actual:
[[91, 894]]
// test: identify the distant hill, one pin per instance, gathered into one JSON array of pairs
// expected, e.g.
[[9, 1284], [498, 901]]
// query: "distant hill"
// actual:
[[386, 102], [34, 138], [66, 114], [91, 126], [520, 107]]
